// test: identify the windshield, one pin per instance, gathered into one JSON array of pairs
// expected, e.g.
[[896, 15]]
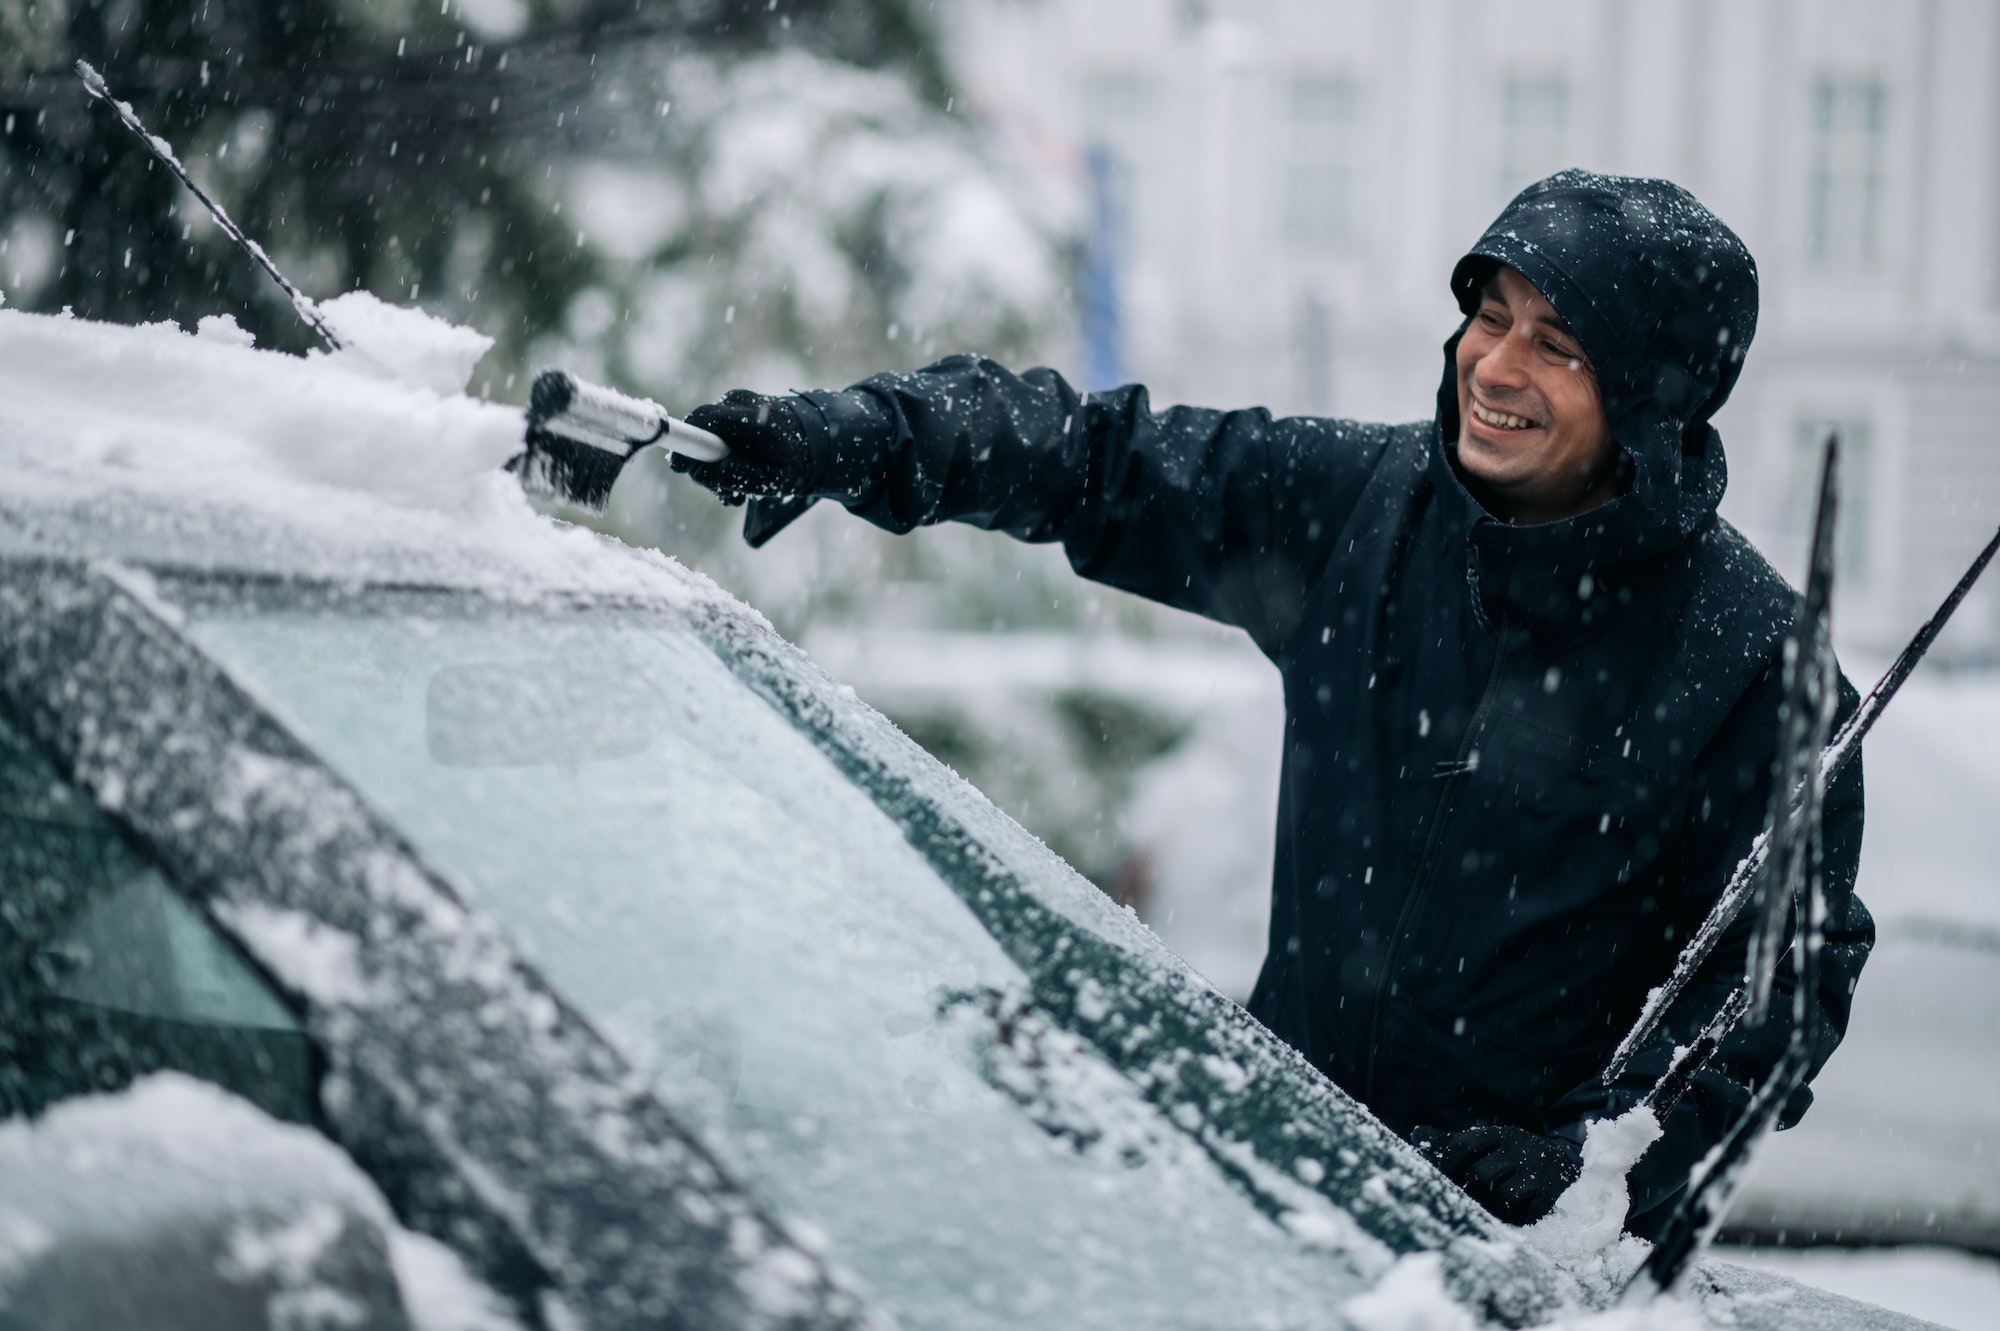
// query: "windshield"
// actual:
[[795, 980]]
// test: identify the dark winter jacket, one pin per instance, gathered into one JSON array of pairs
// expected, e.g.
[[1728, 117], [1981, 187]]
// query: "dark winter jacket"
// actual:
[[1520, 762]]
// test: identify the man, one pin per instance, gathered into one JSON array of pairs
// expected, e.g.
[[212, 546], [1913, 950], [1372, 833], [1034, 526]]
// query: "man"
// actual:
[[1531, 678]]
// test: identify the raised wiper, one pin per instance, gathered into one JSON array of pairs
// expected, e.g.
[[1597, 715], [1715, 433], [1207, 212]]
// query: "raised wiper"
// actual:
[[1736, 893], [308, 309], [1790, 884]]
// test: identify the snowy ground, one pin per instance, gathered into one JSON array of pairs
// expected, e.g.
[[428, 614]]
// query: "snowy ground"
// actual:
[[1942, 1285]]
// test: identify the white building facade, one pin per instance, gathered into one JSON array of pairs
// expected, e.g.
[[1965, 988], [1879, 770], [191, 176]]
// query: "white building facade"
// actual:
[[1282, 187]]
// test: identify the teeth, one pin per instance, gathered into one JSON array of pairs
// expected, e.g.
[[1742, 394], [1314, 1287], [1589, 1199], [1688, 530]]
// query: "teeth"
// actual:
[[1500, 418]]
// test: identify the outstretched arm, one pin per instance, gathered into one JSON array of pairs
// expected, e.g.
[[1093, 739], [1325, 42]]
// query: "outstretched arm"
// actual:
[[1227, 514]]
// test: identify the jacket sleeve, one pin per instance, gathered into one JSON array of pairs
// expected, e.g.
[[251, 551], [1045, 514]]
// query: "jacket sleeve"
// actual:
[[1730, 805], [1227, 514]]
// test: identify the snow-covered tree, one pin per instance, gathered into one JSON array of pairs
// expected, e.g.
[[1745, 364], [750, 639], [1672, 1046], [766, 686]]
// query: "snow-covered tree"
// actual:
[[785, 219], [795, 161]]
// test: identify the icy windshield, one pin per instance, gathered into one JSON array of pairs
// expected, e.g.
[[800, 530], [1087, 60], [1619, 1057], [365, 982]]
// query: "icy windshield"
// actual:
[[793, 978]]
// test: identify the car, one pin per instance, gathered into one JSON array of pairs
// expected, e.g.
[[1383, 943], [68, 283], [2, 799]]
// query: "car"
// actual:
[[386, 868]]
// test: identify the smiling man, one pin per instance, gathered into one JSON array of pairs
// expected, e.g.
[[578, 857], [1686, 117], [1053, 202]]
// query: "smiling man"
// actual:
[[1531, 677]]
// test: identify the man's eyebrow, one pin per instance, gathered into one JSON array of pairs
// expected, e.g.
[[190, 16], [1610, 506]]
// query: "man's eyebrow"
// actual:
[[1491, 291], [1554, 321]]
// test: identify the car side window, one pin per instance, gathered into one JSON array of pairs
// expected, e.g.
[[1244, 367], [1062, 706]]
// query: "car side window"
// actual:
[[107, 973]]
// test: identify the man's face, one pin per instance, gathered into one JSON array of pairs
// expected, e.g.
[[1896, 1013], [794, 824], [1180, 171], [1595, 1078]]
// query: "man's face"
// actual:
[[1532, 437]]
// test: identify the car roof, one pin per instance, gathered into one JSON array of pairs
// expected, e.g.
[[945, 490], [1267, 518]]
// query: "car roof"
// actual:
[[158, 447]]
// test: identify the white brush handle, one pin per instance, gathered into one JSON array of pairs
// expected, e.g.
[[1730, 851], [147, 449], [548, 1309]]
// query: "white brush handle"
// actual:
[[613, 421], [694, 442]]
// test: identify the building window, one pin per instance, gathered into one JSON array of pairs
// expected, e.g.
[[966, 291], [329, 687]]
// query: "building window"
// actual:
[[1852, 549], [1534, 130], [1845, 190], [1321, 113]]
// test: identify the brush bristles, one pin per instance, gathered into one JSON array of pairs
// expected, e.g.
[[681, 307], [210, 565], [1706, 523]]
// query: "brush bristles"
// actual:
[[562, 469]]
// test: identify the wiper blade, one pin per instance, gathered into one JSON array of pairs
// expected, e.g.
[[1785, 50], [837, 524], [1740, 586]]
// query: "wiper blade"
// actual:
[[1736, 893], [307, 307], [1804, 718], [1790, 885], [1689, 1062]]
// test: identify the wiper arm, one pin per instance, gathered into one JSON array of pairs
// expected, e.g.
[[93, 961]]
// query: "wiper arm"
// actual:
[[1790, 883], [1736, 893]]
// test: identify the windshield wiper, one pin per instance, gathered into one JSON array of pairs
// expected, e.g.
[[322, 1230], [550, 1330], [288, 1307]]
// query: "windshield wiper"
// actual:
[[1737, 892], [1790, 884]]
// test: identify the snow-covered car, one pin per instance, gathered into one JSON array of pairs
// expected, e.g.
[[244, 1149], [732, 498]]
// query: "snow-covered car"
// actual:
[[420, 912]]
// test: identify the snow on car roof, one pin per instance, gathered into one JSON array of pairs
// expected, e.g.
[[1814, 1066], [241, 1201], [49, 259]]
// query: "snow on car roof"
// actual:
[[158, 446]]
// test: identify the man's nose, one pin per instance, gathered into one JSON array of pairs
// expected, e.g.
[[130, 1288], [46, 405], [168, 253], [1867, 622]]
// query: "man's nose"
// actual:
[[1504, 366]]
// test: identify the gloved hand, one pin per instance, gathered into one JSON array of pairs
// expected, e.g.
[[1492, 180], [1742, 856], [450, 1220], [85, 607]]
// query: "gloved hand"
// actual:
[[767, 448], [1514, 1173]]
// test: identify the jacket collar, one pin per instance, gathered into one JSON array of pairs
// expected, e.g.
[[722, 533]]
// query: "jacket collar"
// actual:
[[1556, 578]]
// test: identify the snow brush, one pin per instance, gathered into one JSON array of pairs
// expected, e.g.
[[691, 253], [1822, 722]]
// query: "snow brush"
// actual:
[[581, 435], [93, 83]]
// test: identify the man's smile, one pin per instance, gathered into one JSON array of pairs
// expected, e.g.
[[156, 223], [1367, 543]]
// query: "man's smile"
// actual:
[[1501, 420]]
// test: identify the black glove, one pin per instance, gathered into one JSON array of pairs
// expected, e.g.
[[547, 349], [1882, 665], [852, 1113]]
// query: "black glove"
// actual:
[[1514, 1173], [767, 448]]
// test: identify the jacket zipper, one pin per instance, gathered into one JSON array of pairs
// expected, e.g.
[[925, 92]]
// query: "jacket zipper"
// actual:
[[1460, 768]]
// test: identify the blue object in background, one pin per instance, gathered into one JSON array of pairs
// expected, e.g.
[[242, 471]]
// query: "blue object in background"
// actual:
[[1103, 324]]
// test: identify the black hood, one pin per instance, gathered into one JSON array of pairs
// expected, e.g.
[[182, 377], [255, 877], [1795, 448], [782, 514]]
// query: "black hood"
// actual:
[[1663, 298]]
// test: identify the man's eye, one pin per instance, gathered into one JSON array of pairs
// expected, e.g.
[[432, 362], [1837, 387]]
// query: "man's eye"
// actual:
[[1492, 319]]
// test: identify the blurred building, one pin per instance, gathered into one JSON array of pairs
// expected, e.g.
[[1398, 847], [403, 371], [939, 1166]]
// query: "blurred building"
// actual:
[[1280, 187]]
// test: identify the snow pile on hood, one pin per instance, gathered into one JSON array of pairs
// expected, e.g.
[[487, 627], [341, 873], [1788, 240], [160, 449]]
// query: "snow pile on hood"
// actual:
[[149, 443], [1412, 1297], [1590, 1214], [400, 344], [1585, 1231], [1584, 1235]]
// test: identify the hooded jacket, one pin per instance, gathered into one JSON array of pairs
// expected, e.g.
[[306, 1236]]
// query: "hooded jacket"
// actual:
[[1520, 762]]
